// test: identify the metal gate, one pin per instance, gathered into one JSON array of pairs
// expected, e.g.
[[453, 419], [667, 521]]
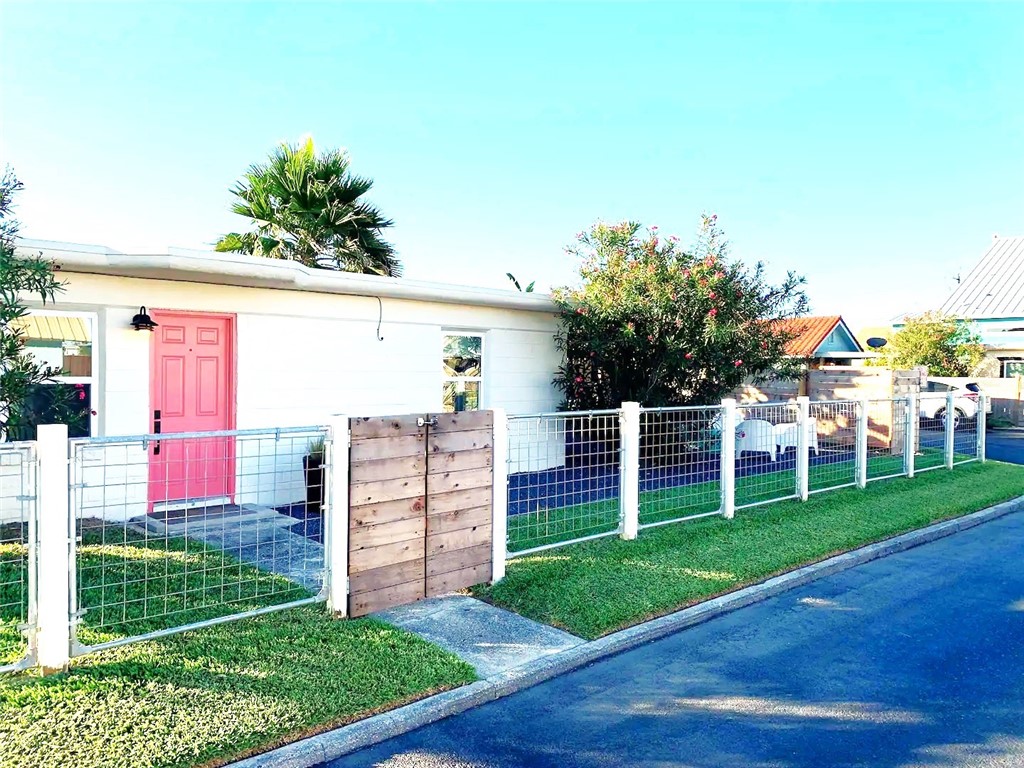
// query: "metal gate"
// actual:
[[420, 507]]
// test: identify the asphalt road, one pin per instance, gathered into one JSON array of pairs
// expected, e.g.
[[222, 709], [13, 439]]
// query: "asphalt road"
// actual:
[[1005, 446], [914, 660]]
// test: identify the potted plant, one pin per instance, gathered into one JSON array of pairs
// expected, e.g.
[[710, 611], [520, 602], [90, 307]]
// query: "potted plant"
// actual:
[[313, 465]]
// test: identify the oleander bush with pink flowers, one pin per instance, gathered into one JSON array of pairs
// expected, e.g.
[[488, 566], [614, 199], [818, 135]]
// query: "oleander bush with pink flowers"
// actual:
[[653, 321]]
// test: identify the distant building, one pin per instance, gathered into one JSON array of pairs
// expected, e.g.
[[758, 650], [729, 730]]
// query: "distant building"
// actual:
[[992, 297], [823, 341]]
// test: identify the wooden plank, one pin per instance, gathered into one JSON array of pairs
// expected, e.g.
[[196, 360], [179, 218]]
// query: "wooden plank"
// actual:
[[456, 580], [378, 600], [460, 539], [384, 426], [387, 469], [446, 442], [457, 559], [457, 519], [455, 461], [387, 447], [378, 491], [455, 500], [388, 554], [365, 536], [465, 421], [374, 514], [387, 576], [459, 481]]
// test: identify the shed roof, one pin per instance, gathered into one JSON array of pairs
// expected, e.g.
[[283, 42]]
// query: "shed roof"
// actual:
[[995, 285], [810, 332]]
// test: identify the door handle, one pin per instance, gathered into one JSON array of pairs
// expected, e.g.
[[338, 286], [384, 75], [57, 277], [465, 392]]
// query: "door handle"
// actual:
[[156, 431]]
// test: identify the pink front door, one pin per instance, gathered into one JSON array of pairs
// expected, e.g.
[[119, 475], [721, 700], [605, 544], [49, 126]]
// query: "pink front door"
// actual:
[[192, 390]]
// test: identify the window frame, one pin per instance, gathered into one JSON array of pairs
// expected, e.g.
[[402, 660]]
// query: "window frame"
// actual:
[[482, 335], [92, 380]]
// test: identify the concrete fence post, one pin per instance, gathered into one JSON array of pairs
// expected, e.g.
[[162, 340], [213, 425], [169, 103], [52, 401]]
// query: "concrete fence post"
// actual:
[[336, 516], [629, 470], [950, 427], [981, 425], [499, 501], [54, 564], [803, 447], [863, 408], [911, 416], [727, 471]]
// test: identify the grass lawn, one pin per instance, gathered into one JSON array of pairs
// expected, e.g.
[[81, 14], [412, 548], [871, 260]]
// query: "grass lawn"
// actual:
[[207, 695], [547, 526], [596, 587]]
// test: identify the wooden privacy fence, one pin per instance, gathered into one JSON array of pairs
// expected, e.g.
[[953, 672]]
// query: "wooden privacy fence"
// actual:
[[420, 507]]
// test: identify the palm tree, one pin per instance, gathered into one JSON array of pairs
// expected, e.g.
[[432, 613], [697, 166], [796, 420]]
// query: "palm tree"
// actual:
[[307, 207]]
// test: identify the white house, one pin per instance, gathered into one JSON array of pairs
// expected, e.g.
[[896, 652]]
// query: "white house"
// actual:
[[242, 342]]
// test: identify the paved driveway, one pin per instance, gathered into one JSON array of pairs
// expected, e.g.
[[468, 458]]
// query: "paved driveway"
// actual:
[[915, 660], [1005, 446]]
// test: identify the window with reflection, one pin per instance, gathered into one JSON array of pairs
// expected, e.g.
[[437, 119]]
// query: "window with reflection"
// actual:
[[63, 342], [462, 366]]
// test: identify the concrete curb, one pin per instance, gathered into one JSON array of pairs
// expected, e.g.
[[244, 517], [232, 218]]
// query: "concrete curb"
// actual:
[[373, 730]]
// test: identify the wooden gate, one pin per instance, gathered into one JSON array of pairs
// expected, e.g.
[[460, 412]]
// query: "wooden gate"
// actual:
[[420, 499]]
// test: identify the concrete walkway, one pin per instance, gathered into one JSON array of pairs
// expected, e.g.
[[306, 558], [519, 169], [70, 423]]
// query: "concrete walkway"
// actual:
[[492, 639], [916, 660]]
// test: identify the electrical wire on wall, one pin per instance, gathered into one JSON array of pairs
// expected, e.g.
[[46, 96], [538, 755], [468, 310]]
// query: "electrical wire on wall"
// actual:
[[380, 317]]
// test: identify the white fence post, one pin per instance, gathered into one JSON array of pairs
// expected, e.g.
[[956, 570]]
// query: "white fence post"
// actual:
[[629, 470], [863, 408], [982, 417], [54, 566], [727, 471], [803, 447], [911, 416], [337, 518], [950, 429], [499, 502]]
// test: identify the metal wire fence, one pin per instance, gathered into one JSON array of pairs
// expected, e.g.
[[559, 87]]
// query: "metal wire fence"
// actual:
[[931, 432], [17, 553], [966, 437], [680, 464], [176, 531], [832, 433], [887, 438], [767, 436], [563, 478]]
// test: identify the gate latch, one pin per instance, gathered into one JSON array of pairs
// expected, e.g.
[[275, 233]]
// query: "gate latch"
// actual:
[[421, 422]]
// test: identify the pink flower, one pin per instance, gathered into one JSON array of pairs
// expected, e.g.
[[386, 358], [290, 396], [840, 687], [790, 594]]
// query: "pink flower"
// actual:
[[714, 217], [579, 310], [654, 229], [673, 239], [711, 295], [713, 312], [686, 273], [719, 275], [81, 395], [579, 379], [738, 363], [593, 354], [650, 338], [672, 296], [688, 356]]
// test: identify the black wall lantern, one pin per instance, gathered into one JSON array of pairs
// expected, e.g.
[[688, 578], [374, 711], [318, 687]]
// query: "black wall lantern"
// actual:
[[143, 322]]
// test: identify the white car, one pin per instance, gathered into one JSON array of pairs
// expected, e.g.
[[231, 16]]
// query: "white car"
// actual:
[[965, 401]]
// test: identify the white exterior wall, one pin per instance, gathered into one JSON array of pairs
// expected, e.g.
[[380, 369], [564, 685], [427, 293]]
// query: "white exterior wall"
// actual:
[[300, 357]]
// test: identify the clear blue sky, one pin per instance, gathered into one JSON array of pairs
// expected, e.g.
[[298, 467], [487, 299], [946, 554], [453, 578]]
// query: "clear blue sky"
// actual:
[[873, 148]]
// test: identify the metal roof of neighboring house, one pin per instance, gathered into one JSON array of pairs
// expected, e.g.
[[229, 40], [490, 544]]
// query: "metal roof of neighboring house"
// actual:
[[54, 328], [256, 272], [810, 332], [995, 285]]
